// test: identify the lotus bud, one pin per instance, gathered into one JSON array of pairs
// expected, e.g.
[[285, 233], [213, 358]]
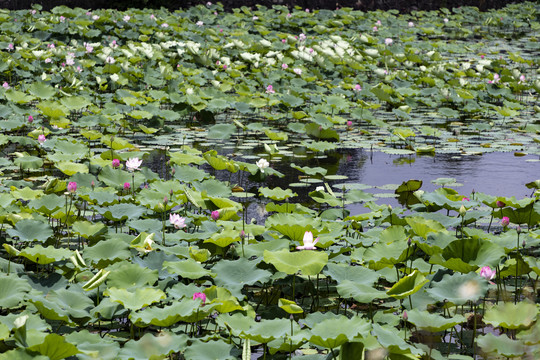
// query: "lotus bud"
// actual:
[[242, 234], [409, 241], [215, 215], [165, 200], [518, 229], [390, 208], [500, 204], [524, 243], [505, 221], [173, 171], [93, 184], [462, 210], [405, 316]]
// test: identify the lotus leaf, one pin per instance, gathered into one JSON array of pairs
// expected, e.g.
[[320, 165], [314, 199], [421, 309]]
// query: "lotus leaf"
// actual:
[[331, 333], [136, 300], [151, 346], [187, 310], [432, 322], [309, 263], [31, 230], [511, 316], [42, 256], [12, 290], [90, 345], [459, 288], [189, 269], [502, 345], [408, 285], [234, 275], [55, 347], [212, 350], [127, 275]]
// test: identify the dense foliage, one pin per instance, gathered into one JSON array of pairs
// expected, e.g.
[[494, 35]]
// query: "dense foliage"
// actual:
[[122, 239]]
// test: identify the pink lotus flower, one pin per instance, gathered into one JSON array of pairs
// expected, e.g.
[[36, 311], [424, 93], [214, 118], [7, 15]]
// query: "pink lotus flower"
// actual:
[[357, 87], [116, 163], [284, 66], [10, 46], [214, 215], [378, 23], [177, 221], [127, 185], [200, 295], [5, 85], [133, 164], [349, 123], [72, 186], [41, 138], [466, 199], [270, 89], [309, 244], [505, 221], [30, 119], [487, 273], [283, 41], [375, 28]]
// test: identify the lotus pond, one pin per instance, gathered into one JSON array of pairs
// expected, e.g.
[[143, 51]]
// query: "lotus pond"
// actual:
[[189, 185]]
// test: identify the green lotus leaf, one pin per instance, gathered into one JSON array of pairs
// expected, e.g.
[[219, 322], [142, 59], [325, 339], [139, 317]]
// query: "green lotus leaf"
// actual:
[[212, 350], [127, 275], [358, 274], [357, 195], [137, 299], [222, 300], [28, 162], [236, 323], [12, 290], [323, 197], [502, 345], [214, 188], [116, 178], [276, 193], [106, 252], [189, 174], [234, 275], [511, 316], [383, 255], [265, 331], [316, 145], [18, 97], [290, 306], [308, 262], [360, 292], [433, 322], [189, 269], [221, 131], [458, 288], [55, 347], [474, 252], [390, 339], [310, 170], [422, 227], [4, 332], [31, 230], [118, 212], [47, 204], [41, 90], [25, 193], [294, 226], [186, 310], [331, 333], [408, 285], [257, 249], [91, 345], [224, 238], [116, 143], [49, 309], [74, 302], [89, 230], [152, 346], [74, 103], [21, 354], [42, 256]]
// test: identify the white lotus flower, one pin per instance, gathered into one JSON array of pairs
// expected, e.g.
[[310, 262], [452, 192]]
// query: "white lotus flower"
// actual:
[[177, 221], [309, 244], [133, 164], [262, 164]]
